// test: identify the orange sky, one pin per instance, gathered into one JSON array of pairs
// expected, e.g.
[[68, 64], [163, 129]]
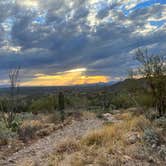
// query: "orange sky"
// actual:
[[71, 77]]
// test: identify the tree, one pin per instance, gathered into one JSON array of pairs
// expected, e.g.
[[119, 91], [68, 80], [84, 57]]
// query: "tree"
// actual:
[[153, 69], [10, 108]]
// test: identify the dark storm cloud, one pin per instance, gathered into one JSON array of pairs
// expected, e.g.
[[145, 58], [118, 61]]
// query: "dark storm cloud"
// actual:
[[60, 35]]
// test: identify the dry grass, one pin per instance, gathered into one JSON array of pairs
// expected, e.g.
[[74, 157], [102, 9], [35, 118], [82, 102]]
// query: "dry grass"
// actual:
[[27, 162], [28, 129], [32, 123], [87, 114], [110, 141], [67, 146], [108, 145], [115, 133]]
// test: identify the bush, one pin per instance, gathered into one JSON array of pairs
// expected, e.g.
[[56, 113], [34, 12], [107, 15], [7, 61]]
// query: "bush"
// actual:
[[122, 100], [151, 137], [140, 123], [144, 100], [48, 103], [6, 134], [68, 146], [16, 123], [161, 122], [28, 129], [95, 138], [53, 117], [162, 152]]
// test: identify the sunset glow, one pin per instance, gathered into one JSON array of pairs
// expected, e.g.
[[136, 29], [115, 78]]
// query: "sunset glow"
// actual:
[[70, 77]]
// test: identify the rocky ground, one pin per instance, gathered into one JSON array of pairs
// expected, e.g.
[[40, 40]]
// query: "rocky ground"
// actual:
[[38, 152], [114, 140]]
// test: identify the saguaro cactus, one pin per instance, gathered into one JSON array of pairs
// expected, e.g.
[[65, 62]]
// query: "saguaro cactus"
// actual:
[[61, 105]]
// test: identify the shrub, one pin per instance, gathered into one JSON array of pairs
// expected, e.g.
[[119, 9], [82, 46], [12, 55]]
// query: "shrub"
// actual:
[[67, 146], [16, 123], [28, 129], [47, 103], [161, 122], [122, 100], [6, 134], [53, 117], [95, 138], [99, 115], [140, 123], [151, 137], [162, 152]]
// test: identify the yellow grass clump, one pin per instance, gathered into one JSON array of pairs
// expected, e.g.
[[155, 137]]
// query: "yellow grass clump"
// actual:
[[67, 146], [115, 133]]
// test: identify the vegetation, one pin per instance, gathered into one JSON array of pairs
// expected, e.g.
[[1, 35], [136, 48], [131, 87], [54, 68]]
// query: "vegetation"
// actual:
[[10, 106], [130, 141], [61, 105], [153, 68], [43, 104], [28, 116]]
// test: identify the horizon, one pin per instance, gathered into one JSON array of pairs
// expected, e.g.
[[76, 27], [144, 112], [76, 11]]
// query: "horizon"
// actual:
[[8, 86], [69, 43]]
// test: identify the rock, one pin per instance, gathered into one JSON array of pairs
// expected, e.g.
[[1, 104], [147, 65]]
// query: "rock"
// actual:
[[151, 159], [132, 137], [109, 117], [154, 146], [126, 157]]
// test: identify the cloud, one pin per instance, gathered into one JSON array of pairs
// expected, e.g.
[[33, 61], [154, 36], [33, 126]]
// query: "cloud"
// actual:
[[100, 35], [28, 3]]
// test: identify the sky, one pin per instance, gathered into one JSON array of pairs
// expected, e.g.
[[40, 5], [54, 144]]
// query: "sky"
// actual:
[[69, 42]]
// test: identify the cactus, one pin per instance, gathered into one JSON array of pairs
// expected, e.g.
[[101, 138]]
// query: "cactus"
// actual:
[[61, 105]]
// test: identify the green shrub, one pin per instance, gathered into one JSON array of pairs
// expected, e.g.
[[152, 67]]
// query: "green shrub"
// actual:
[[48, 103], [122, 100], [161, 122], [151, 137], [55, 117], [144, 100], [99, 115], [6, 134], [16, 123]]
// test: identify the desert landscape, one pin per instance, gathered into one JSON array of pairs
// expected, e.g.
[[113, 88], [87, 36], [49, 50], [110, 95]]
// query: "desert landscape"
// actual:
[[82, 83]]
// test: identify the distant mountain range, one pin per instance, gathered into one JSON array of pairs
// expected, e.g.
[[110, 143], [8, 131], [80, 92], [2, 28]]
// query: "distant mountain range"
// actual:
[[112, 86]]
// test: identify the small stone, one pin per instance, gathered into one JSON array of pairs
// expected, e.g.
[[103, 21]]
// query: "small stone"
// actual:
[[151, 159], [154, 146], [9, 146]]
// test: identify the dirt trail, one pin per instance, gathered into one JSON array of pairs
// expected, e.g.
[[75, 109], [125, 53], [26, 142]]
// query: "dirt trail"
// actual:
[[39, 151]]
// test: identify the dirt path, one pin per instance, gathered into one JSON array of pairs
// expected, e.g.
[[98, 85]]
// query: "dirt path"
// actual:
[[39, 151]]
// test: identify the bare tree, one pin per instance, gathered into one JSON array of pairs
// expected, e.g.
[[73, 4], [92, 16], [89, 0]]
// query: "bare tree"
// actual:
[[8, 114], [153, 68]]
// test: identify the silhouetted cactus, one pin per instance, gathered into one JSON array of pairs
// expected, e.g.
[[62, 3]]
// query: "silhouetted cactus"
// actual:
[[61, 105]]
